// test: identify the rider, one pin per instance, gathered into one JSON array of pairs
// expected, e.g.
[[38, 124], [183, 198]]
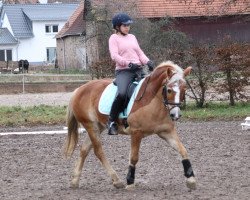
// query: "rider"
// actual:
[[129, 58]]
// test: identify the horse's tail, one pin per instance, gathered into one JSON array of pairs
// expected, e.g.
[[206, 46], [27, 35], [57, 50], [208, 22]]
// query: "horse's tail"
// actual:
[[72, 137]]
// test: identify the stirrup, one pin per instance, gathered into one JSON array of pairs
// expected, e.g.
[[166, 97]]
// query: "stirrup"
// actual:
[[112, 128]]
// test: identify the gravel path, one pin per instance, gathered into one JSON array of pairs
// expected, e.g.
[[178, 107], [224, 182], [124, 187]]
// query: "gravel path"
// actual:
[[31, 99]]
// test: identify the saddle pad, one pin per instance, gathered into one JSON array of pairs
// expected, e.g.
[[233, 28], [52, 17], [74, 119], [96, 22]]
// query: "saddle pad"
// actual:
[[108, 97]]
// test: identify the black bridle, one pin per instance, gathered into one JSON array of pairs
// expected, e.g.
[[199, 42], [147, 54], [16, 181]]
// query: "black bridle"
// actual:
[[165, 99], [164, 94]]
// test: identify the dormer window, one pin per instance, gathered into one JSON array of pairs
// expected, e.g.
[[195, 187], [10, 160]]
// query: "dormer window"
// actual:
[[51, 28]]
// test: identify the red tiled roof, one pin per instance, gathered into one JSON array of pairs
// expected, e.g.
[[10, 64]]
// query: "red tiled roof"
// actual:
[[21, 1], [175, 8], [188, 8], [75, 24]]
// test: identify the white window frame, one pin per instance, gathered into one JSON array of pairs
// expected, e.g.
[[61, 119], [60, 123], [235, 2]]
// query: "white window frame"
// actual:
[[50, 26], [5, 54]]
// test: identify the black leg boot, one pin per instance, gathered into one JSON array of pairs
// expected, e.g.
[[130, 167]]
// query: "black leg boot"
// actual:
[[116, 108]]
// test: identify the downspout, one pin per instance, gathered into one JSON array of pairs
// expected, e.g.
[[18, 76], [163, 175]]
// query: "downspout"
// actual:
[[18, 42]]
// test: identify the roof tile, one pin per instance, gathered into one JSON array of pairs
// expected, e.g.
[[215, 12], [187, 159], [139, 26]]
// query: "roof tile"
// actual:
[[6, 37], [175, 8], [75, 24]]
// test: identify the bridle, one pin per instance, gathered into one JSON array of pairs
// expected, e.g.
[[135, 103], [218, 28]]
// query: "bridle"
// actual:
[[166, 102]]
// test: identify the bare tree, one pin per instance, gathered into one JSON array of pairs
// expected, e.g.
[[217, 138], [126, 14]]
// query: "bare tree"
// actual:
[[202, 59], [233, 59]]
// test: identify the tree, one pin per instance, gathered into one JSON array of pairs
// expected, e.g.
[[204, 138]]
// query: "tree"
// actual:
[[233, 59], [202, 59]]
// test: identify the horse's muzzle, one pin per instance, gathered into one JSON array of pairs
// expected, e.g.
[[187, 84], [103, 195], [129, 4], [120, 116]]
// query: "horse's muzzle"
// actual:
[[175, 113]]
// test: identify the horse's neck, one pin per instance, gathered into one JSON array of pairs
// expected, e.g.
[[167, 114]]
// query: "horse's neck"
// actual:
[[149, 89], [156, 81]]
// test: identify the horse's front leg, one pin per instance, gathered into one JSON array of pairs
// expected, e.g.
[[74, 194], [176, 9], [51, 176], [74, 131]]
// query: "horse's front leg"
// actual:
[[136, 138], [173, 139]]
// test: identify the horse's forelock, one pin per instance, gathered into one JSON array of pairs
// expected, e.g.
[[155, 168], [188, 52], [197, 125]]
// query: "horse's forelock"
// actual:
[[176, 68], [177, 71]]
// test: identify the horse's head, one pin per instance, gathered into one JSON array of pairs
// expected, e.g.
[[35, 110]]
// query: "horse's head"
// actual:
[[174, 87]]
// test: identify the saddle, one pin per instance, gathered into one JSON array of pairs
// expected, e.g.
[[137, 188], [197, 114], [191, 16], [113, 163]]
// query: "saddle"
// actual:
[[109, 94]]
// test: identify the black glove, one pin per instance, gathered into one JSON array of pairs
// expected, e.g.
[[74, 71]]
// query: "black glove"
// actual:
[[150, 65], [133, 66]]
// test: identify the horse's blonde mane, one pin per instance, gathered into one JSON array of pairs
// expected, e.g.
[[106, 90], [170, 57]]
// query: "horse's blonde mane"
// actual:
[[177, 69], [178, 72]]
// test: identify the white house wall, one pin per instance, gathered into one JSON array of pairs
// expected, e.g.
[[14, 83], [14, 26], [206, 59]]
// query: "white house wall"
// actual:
[[6, 24], [41, 40]]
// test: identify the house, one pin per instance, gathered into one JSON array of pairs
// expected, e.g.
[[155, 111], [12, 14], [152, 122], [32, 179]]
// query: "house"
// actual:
[[28, 31], [71, 41], [202, 20]]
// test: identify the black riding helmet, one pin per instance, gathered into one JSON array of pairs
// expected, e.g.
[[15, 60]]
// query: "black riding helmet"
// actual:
[[121, 18]]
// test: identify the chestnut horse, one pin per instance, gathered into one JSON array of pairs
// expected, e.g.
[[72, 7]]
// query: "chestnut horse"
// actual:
[[154, 111]]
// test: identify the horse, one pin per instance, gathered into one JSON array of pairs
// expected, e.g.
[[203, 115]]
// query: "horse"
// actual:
[[155, 110], [23, 66]]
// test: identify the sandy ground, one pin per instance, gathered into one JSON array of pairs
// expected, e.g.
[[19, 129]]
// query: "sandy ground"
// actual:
[[32, 166]]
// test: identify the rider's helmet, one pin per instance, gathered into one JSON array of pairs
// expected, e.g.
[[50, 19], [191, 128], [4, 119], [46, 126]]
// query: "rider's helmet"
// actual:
[[121, 18]]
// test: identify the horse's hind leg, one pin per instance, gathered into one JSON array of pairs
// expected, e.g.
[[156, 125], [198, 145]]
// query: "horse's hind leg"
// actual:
[[85, 149], [174, 141], [98, 150]]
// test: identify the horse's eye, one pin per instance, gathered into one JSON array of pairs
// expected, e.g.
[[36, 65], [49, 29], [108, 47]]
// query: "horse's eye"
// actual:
[[169, 91]]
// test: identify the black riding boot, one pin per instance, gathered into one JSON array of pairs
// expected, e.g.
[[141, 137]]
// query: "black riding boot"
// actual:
[[116, 108]]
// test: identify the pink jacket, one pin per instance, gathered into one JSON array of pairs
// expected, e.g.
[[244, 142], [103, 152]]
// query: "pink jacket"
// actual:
[[125, 50]]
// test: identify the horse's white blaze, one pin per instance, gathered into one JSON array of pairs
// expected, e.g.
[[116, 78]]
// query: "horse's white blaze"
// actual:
[[175, 112], [177, 91]]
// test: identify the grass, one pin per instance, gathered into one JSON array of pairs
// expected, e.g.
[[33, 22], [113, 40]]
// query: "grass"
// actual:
[[38, 115], [30, 116], [217, 111]]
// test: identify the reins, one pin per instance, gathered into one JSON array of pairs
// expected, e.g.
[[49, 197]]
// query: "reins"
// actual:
[[138, 99], [164, 94]]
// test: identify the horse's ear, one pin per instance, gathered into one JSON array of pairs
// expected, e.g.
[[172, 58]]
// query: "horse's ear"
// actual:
[[187, 71], [169, 72]]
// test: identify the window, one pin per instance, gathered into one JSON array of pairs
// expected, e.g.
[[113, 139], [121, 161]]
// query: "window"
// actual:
[[51, 28], [2, 55], [55, 29], [9, 55], [6, 55], [51, 54]]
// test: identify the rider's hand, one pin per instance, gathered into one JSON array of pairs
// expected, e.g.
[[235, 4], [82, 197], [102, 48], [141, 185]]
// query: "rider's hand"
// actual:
[[150, 65], [133, 66]]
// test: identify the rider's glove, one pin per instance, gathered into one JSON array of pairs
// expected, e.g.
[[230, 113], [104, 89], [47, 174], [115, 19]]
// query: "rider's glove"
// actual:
[[150, 65], [133, 66]]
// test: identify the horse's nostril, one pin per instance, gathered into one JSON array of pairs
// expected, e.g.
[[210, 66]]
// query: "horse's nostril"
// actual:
[[172, 115]]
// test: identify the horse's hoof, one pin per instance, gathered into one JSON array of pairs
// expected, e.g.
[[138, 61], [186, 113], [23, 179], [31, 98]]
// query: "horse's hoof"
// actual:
[[74, 185], [130, 187], [191, 183], [118, 184]]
